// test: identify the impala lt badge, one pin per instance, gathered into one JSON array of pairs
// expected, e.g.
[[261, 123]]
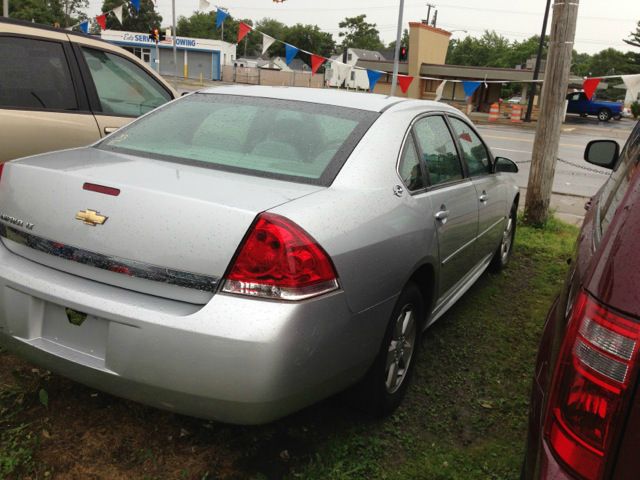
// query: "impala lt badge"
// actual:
[[16, 221], [91, 217]]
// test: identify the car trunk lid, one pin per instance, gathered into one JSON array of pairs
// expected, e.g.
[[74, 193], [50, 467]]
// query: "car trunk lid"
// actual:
[[171, 230]]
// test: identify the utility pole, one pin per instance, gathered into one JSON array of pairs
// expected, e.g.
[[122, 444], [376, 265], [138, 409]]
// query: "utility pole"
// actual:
[[5, 8], [175, 51], [429, 7], [554, 90], [533, 86], [396, 56]]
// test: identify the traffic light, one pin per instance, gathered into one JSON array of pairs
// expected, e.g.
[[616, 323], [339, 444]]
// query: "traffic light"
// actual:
[[154, 34], [404, 52]]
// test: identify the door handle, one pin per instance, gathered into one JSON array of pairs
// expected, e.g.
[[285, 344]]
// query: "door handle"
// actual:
[[442, 215], [108, 130], [484, 197]]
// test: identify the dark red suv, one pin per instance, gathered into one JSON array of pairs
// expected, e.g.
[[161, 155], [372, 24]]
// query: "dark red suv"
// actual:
[[585, 405]]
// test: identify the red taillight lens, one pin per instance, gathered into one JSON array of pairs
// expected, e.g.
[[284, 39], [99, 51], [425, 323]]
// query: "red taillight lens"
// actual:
[[597, 365], [279, 260], [1, 169]]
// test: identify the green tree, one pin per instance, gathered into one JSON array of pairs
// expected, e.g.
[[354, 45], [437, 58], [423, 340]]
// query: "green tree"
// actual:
[[612, 62], [403, 41], [132, 20], [49, 12], [358, 33], [580, 64], [634, 37]]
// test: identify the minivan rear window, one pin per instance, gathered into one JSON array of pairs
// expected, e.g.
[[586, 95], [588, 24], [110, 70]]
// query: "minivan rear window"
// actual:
[[290, 140]]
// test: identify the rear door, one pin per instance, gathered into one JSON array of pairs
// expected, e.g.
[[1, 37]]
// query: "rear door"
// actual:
[[119, 89], [43, 104], [490, 190], [454, 200]]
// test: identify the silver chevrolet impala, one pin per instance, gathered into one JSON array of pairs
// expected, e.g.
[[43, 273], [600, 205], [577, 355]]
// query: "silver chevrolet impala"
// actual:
[[243, 252]]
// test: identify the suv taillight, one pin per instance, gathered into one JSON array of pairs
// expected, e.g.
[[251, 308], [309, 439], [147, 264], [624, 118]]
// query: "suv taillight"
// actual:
[[279, 260], [597, 364]]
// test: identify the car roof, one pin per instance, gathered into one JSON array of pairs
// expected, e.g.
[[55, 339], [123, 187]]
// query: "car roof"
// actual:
[[328, 96], [50, 28]]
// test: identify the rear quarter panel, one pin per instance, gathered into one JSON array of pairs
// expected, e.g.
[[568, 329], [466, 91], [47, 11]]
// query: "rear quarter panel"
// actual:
[[375, 238]]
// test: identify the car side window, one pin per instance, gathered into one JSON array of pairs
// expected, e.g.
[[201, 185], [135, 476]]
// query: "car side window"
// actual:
[[35, 74], [124, 89], [410, 169], [475, 153], [575, 97], [616, 186], [438, 149]]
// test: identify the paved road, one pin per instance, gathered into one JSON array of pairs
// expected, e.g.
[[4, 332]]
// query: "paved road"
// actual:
[[573, 176]]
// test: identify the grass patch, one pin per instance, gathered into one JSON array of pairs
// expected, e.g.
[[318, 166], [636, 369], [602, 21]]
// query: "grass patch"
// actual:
[[464, 416]]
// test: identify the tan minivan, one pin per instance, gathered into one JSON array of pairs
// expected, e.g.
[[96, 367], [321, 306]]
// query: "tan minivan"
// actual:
[[60, 89]]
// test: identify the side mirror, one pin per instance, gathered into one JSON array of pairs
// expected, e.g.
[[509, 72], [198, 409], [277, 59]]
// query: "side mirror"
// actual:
[[603, 153], [506, 165]]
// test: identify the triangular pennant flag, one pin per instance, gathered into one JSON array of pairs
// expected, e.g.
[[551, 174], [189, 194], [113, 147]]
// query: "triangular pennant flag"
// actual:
[[632, 82], [136, 4], [373, 78], [118, 13], [440, 90], [243, 29], [291, 52], [589, 86], [204, 5], [84, 26], [316, 63], [404, 81], [102, 21], [221, 15], [470, 87], [267, 41]]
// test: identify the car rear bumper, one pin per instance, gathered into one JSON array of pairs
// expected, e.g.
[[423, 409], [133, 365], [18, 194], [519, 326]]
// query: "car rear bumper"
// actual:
[[236, 359]]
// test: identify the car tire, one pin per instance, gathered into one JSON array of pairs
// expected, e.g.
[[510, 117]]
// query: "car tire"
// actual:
[[604, 115], [503, 252], [381, 391]]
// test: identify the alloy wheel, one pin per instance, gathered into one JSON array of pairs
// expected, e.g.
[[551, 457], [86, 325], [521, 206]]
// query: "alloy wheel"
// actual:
[[401, 348], [507, 240]]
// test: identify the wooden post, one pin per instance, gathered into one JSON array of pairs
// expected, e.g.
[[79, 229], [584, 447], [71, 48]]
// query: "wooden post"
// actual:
[[554, 91]]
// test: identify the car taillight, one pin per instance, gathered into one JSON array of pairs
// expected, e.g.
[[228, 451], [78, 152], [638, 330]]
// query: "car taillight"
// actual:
[[279, 260], [1, 169], [597, 364]]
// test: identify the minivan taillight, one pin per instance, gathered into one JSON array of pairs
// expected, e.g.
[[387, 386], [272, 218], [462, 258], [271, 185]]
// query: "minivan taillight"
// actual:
[[597, 364], [279, 260]]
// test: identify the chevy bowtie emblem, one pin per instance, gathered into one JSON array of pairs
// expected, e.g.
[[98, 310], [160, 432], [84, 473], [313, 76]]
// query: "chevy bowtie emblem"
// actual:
[[91, 217]]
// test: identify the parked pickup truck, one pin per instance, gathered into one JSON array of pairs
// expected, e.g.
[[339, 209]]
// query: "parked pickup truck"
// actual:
[[579, 103]]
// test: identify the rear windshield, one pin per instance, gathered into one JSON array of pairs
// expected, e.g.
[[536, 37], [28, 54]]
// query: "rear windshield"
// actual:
[[290, 140]]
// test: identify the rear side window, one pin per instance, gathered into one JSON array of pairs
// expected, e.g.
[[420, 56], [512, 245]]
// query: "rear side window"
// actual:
[[410, 169], [475, 153], [262, 136], [124, 89], [439, 150], [34, 74], [614, 190]]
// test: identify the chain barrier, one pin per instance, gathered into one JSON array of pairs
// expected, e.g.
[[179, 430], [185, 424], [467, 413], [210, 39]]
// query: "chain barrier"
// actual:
[[567, 162]]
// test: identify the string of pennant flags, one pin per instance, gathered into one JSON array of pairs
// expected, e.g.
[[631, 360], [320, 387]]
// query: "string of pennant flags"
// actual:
[[632, 82], [590, 84], [101, 19]]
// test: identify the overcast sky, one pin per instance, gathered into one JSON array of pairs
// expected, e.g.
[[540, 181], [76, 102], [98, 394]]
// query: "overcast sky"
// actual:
[[600, 24]]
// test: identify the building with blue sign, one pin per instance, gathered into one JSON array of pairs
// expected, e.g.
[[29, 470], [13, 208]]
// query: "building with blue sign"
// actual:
[[198, 58]]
